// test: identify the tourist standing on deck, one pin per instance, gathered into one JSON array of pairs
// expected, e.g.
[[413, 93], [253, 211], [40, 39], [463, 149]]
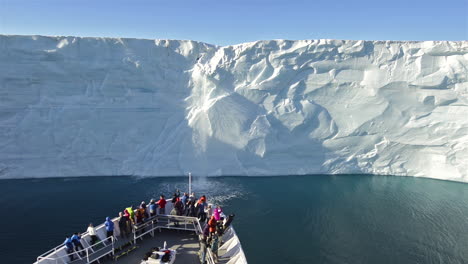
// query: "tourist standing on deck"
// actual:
[[162, 205], [109, 227], [76, 240], [215, 246], [190, 209], [228, 221], [175, 195], [212, 224], [69, 245], [179, 207], [178, 210], [92, 233], [139, 220], [129, 223], [203, 248], [184, 200], [152, 208], [217, 212], [139, 215], [206, 232], [201, 205], [123, 225], [220, 227], [193, 198], [209, 212], [130, 214]]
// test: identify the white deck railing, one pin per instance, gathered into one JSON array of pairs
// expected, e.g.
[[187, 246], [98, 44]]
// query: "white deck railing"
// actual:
[[58, 255]]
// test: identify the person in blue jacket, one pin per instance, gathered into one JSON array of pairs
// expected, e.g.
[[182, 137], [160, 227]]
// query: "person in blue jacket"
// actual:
[[152, 207], [184, 200], [69, 245], [76, 239], [109, 227]]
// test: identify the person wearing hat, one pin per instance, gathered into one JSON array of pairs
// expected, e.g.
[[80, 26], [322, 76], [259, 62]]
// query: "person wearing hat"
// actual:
[[217, 212], [201, 205], [109, 227]]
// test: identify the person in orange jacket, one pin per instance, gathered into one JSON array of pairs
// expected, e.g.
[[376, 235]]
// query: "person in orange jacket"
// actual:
[[212, 225]]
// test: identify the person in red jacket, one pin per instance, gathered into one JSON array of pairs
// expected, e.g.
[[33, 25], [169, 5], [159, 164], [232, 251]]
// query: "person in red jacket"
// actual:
[[162, 205]]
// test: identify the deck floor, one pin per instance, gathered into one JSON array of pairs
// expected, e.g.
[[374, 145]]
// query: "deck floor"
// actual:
[[184, 242]]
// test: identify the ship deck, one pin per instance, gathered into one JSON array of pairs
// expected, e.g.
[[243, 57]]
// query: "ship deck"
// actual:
[[184, 242], [178, 233]]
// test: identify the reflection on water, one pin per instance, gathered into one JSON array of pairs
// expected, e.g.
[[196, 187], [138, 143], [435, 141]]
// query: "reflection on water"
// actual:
[[293, 219]]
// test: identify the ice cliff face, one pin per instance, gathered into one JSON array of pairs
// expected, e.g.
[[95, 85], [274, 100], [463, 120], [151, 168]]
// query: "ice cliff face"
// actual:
[[99, 106]]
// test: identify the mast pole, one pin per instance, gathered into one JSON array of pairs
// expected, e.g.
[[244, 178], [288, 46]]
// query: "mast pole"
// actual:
[[190, 183]]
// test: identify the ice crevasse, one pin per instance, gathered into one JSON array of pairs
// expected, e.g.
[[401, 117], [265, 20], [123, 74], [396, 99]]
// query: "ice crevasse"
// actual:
[[73, 106]]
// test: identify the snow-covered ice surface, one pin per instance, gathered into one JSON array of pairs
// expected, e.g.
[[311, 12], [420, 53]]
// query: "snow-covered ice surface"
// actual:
[[103, 106]]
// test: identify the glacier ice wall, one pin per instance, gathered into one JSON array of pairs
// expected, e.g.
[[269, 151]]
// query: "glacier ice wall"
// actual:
[[103, 106]]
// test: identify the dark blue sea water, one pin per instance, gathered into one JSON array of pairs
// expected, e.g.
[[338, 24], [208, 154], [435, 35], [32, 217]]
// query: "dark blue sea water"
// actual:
[[293, 219]]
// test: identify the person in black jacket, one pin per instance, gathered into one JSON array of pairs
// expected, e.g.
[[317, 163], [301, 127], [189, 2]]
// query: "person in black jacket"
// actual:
[[191, 210], [123, 225]]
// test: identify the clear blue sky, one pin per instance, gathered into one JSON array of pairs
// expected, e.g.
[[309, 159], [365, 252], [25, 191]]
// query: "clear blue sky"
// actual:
[[226, 22]]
